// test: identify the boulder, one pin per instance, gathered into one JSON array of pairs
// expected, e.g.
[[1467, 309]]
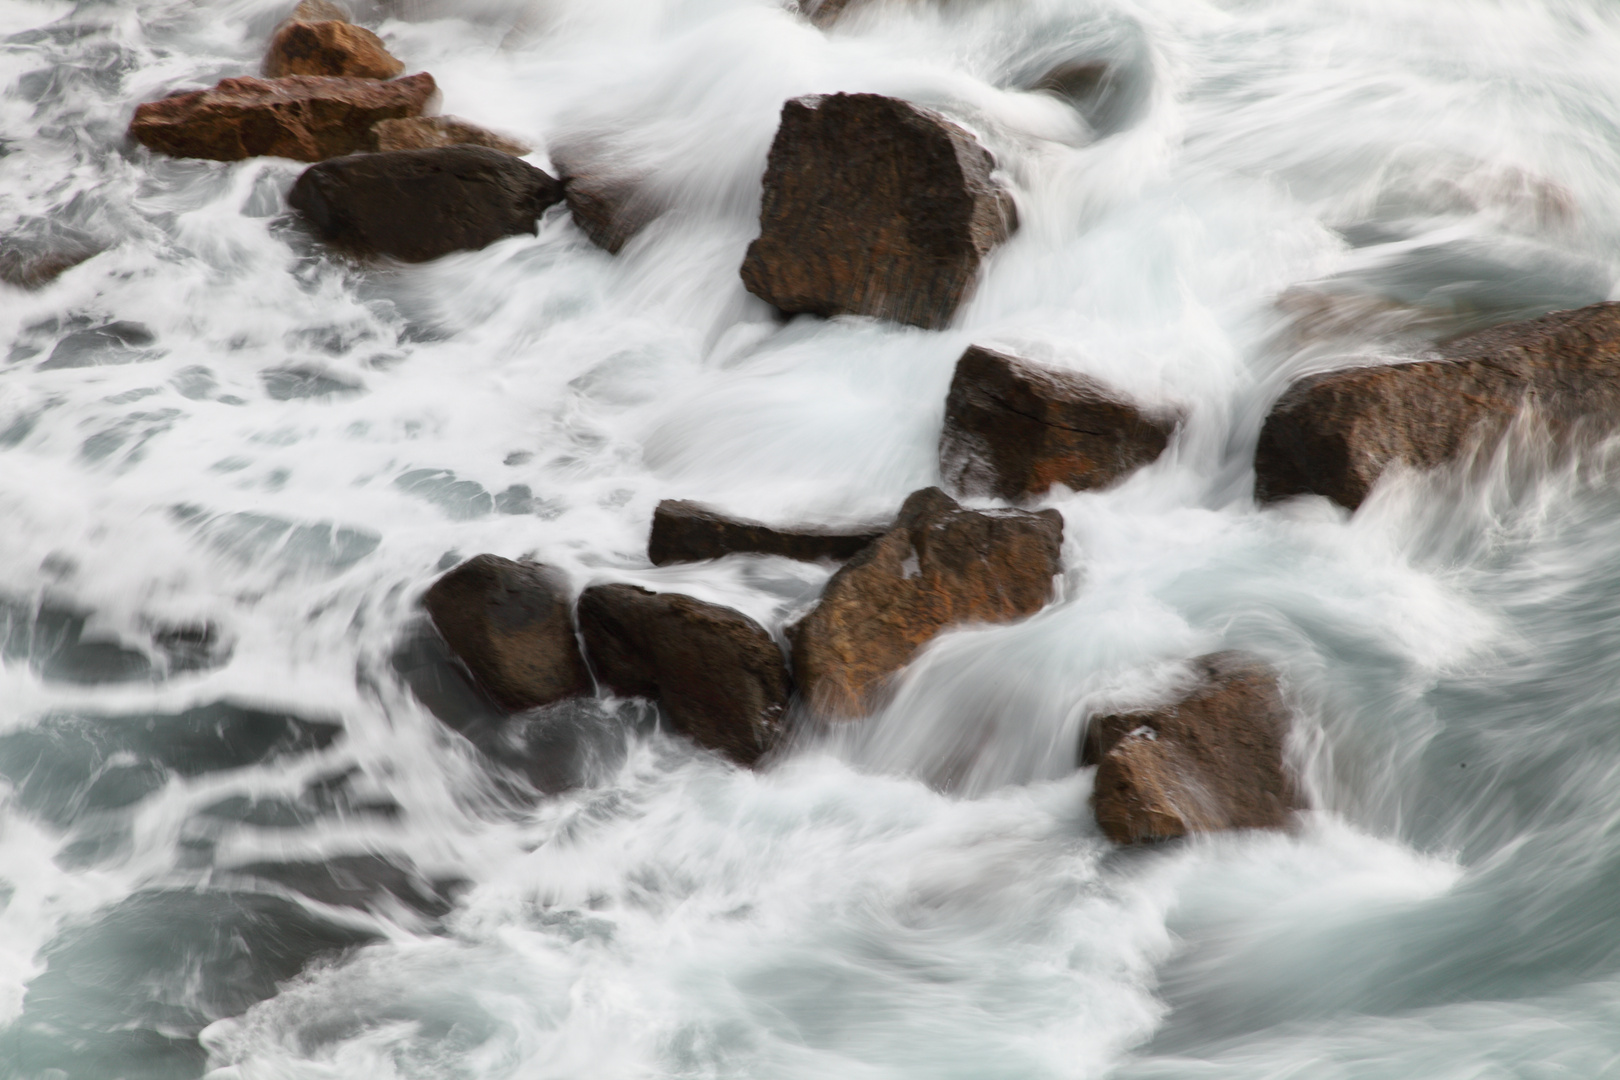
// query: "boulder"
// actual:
[[426, 132], [510, 624], [874, 206], [714, 672], [417, 205], [691, 532], [939, 566], [608, 197], [1211, 760], [329, 47], [1013, 429], [1334, 434], [303, 117]]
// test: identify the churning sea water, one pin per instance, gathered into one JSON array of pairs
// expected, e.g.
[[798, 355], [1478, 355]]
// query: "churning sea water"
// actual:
[[235, 842]]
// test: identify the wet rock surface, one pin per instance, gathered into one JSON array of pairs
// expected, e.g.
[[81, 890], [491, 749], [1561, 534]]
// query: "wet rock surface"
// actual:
[[1334, 434], [38, 252], [940, 566], [609, 202], [1013, 429], [329, 47], [874, 206], [684, 531], [56, 640], [417, 205], [426, 132], [1212, 760]]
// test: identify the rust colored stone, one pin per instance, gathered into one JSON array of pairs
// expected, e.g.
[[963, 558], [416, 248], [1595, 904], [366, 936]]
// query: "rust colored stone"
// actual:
[[329, 47], [691, 532], [428, 132]]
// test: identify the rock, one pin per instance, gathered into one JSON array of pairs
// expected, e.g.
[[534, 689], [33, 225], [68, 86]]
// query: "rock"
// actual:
[[426, 132], [417, 205], [510, 624], [1013, 429], [329, 47], [822, 13], [319, 11], [691, 532], [609, 198], [1212, 760], [1334, 434], [874, 206], [939, 566], [715, 672], [41, 251], [303, 117]]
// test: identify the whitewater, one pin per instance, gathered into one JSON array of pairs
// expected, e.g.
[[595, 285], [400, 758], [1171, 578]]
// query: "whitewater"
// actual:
[[231, 462]]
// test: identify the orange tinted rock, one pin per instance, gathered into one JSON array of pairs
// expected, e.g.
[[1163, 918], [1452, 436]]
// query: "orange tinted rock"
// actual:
[[329, 47], [428, 132]]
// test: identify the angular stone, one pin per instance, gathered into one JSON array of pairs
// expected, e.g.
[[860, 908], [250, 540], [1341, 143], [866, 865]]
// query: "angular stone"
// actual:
[[939, 566], [303, 117], [691, 532], [510, 624], [329, 47], [609, 199], [715, 672], [1013, 429], [426, 132], [417, 205], [874, 206], [1212, 760], [1334, 434]]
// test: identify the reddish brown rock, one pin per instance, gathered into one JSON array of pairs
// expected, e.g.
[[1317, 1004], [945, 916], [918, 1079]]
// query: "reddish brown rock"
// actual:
[[715, 672], [1212, 760], [691, 532], [939, 566], [1013, 429], [427, 132], [874, 206], [329, 47], [303, 117], [1334, 434], [510, 624]]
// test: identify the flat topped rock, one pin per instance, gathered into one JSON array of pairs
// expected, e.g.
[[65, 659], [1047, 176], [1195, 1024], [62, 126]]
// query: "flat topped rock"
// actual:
[[329, 47], [426, 132], [685, 531], [874, 206]]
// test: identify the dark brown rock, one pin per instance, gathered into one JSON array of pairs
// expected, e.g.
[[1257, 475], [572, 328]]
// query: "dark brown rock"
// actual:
[[715, 672], [329, 47], [510, 624], [609, 198], [1013, 429], [822, 13], [874, 206], [303, 117], [1212, 760], [426, 132], [417, 205], [939, 566], [691, 532], [1334, 434]]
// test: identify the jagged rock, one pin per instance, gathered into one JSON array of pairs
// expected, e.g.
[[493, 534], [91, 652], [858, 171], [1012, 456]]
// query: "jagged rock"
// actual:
[[329, 47], [1212, 760], [417, 205], [1334, 434], [1013, 429], [303, 117], [874, 206], [715, 672], [691, 532], [426, 132], [510, 624], [939, 566]]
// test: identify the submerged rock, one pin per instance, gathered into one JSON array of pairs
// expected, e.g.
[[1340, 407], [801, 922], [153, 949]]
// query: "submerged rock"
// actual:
[[1212, 760], [715, 672], [609, 198], [874, 206], [417, 205], [329, 47], [40, 251], [1334, 434], [364, 881], [426, 132], [822, 13], [939, 566], [691, 532], [1013, 429], [303, 117]]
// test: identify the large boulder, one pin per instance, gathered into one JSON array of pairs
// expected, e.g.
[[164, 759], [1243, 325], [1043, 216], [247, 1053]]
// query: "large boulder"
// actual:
[[303, 117], [939, 566], [716, 673], [510, 623], [417, 205], [1013, 429], [874, 206], [685, 531], [329, 47], [1334, 434], [426, 132], [1211, 760]]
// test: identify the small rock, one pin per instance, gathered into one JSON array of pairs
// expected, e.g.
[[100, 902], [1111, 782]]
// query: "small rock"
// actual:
[[874, 206], [609, 199], [41, 251], [417, 205], [691, 532], [1212, 760], [427, 132], [715, 672], [1013, 429], [510, 624], [303, 117], [329, 47], [939, 566], [320, 11], [822, 13]]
